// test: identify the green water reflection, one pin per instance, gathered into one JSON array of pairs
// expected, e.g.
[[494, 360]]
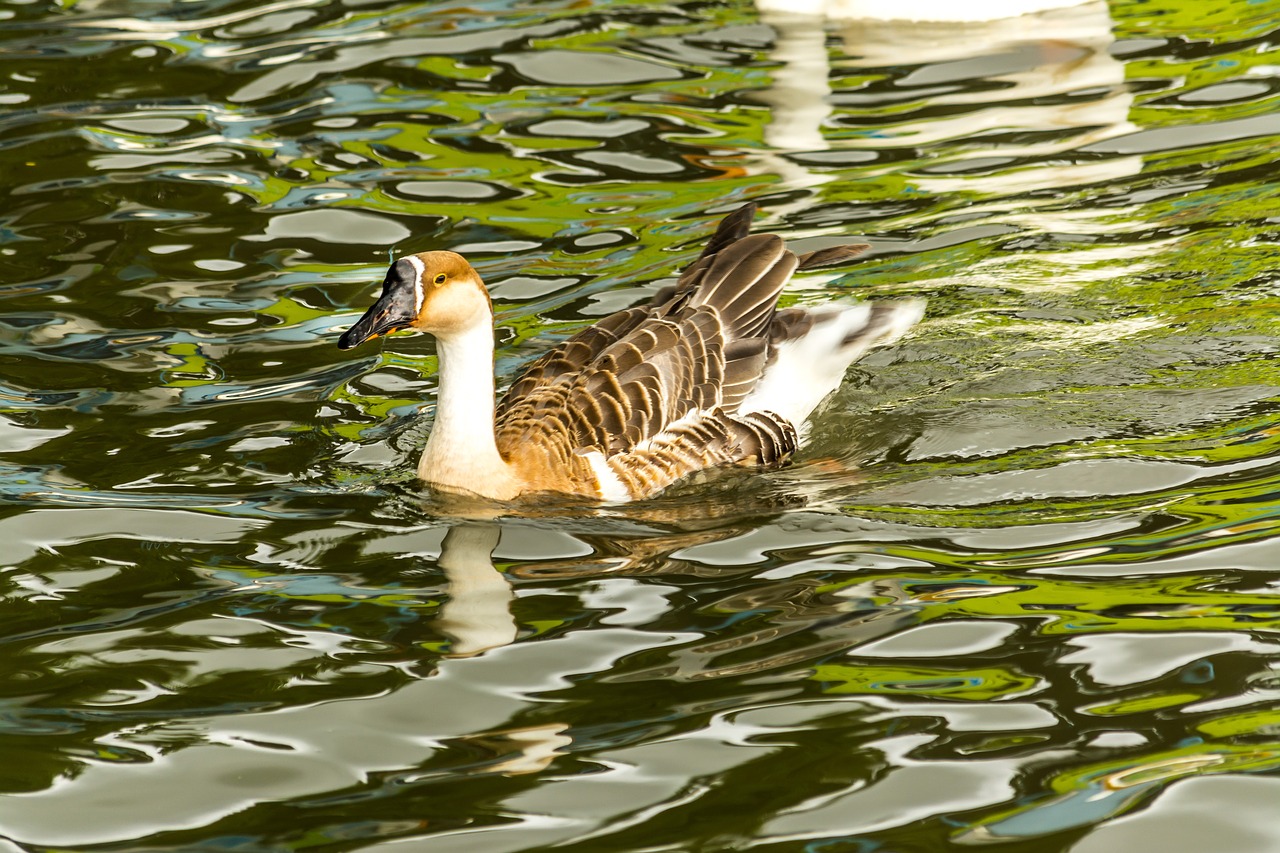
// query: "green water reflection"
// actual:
[[1020, 589]]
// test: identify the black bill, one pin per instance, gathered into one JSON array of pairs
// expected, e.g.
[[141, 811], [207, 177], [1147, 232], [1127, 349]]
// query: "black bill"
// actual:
[[396, 308]]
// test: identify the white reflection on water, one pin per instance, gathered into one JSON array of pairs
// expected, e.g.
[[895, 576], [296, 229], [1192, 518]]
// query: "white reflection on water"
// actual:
[[1040, 54], [477, 613]]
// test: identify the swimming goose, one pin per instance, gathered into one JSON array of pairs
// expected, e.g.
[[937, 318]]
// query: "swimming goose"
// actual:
[[709, 373]]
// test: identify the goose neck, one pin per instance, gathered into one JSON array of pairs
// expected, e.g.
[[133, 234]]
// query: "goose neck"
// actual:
[[461, 451]]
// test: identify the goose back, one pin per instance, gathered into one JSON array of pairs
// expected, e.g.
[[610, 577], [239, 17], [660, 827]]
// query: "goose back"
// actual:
[[654, 390]]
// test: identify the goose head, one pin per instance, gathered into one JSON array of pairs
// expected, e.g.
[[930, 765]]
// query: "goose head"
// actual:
[[433, 292]]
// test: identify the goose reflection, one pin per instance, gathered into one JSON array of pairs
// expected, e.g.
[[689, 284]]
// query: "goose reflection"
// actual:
[[1013, 90], [795, 619], [476, 613]]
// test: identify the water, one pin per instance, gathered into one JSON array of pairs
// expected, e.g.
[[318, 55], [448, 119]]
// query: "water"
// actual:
[[1019, 591]]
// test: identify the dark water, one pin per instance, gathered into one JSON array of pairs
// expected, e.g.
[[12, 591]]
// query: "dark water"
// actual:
[[1020, 591]]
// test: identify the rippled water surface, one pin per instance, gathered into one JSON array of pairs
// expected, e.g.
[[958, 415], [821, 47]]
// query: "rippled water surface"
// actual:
[[1020, 590]]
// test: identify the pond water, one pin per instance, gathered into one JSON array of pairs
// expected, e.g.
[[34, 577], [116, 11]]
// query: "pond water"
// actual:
[[1019, 591]]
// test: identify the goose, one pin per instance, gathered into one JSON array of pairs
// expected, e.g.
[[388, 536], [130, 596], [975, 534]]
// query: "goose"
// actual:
[[709, 373]]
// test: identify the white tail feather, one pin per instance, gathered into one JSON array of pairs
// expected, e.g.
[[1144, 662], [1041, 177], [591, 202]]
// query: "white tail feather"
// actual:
[[807, 369]]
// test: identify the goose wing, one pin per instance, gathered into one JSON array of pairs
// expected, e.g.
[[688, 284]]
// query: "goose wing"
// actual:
[[689, 356], [571, 356]]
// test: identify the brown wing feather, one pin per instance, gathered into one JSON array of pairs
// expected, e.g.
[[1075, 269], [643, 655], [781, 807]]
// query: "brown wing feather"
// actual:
[[744, 281], [732, 228], [714, 439], [572, 354], [833, 255], [583, 348], [628, 393], [656, 388]]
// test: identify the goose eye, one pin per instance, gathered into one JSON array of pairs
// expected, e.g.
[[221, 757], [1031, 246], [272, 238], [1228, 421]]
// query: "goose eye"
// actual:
[[439, 279]]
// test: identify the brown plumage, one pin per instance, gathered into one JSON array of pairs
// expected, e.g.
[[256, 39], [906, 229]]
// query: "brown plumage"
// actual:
[[641, 399]]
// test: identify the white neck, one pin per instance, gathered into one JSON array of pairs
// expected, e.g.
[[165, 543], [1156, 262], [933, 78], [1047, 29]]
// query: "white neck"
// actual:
[[461, 453]]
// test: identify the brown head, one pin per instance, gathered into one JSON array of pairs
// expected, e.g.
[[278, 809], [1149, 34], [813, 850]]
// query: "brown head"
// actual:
[[434, 292]]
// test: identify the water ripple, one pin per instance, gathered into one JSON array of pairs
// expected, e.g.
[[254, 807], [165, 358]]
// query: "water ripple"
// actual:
[[1019, 589]]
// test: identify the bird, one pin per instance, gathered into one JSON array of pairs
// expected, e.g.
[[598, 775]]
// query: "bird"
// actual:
[[709, 373]]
